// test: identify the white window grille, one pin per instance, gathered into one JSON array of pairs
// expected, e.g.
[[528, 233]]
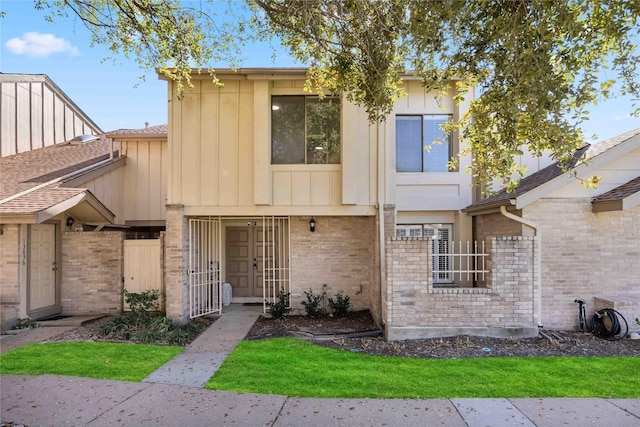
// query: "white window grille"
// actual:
[[450, 261]]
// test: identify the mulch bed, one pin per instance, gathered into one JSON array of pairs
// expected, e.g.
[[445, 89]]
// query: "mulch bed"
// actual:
[[335, 333]]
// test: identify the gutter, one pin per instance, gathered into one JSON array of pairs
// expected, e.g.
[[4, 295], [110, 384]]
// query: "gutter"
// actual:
[[537, 285]]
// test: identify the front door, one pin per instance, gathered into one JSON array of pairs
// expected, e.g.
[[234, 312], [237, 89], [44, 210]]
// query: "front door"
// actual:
[[42, 272], [244, 261]]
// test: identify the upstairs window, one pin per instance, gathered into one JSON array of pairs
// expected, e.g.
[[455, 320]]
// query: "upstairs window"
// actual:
[[305, 130], [421, 145]]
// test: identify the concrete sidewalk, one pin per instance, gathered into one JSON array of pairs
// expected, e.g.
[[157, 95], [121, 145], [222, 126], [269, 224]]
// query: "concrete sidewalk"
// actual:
[[68, 401], [174, 395]]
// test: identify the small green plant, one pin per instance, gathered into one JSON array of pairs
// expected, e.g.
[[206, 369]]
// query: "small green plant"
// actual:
[[312, 304], [278, 310], [340, 305], [141, 304], [24, 324]]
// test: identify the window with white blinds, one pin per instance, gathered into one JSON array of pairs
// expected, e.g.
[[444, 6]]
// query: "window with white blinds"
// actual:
[[421, 145], [441, 246]]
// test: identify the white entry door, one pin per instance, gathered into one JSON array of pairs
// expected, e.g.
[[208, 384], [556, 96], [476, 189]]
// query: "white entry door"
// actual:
[[42, 257]]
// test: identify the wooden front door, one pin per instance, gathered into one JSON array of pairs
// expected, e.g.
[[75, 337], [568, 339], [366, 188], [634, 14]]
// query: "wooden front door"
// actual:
[[42, 272], [244, 260]]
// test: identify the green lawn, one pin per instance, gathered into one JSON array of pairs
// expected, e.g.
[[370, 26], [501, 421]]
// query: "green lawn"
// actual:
[[292, 367], [124, 362]]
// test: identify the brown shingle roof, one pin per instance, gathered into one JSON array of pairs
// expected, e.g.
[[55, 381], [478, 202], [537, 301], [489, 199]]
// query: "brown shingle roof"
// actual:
[[550, 172], [621, 192], [149, 130], [23, 171]]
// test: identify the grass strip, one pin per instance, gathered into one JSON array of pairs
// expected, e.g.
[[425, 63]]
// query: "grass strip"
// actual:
[[293, 367], [113, 361]]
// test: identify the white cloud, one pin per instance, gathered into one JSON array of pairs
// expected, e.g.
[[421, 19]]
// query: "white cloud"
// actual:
[[40, 45]]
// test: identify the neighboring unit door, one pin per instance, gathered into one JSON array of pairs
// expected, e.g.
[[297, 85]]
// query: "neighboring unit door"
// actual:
[[42, 260], [244, 261]]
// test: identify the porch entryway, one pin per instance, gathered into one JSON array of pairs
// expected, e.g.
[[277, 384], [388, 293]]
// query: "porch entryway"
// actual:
[[252, 254], [42, 290]]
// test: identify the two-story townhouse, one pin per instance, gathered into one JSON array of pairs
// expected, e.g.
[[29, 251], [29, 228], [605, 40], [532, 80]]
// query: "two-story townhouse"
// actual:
[[271, 187]]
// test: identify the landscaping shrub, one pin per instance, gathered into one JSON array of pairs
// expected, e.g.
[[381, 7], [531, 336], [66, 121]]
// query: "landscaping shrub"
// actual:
[[340, 305], [278, 310], [143, 303], [312, 304]]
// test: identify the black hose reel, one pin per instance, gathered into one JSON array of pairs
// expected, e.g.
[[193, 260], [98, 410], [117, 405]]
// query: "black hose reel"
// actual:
[[606, 323]]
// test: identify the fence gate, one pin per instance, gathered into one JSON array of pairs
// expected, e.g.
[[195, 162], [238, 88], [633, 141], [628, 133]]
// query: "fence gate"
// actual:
[[143, 267], [205, 249], [275, 250]]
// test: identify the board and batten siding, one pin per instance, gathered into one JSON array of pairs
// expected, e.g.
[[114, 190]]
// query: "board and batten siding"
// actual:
[[427, 190], [220, 154], [36, 113]]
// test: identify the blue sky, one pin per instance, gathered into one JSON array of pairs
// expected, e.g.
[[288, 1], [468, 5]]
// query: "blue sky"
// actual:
[[113, 95]]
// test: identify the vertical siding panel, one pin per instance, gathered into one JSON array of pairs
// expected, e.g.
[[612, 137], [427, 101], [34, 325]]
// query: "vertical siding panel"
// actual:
[[336, 187], [190, 145], [58, 119], [48, 125], [174, 141], [156, 203], [8, 128], [209, 145], [320, 188], [37, 139], [23, 111], [228, 144], [68, 123], [245, 152], [130, 195], [261, 144], [143, 181], [301, 187], [282, 188], [164, 155]]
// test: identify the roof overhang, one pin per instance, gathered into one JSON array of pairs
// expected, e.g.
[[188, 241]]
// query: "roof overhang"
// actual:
[[623, 204], [84, 207], [582, 170]]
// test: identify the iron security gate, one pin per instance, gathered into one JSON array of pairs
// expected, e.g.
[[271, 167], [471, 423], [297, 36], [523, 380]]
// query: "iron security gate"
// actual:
[[275, 252], [205, 249]]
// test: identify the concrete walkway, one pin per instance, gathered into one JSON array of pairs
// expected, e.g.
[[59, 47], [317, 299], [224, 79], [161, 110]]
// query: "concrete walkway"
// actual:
[[173, 395]]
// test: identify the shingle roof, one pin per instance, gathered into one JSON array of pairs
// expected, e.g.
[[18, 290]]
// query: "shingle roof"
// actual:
[[550, 172], [25, 171], [148, 130], [621, 192]]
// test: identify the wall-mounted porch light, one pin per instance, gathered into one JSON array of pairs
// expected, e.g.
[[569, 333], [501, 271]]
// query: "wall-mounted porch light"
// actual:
[[70, 221], [312, 225]]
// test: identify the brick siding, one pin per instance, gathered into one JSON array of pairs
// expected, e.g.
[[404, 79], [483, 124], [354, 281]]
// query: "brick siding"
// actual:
[[341, 254], [175, 264], [418, 310], [92, 268], [585, 255], [9, 275]]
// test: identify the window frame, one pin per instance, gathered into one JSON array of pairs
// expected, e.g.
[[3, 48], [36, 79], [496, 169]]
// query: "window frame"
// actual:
[[438, 278], [305, 142], [423, 151]]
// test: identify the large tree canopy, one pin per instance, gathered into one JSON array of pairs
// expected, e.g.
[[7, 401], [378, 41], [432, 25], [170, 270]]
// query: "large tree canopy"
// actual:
[[537, 64]]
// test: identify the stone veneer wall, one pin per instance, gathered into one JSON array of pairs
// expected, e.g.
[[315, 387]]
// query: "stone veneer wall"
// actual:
[[92, 268], [585, 255], [418, 310], [341, 254], [9, 275]]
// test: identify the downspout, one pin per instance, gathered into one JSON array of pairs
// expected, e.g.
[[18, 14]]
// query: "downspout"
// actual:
[[537, 286], [380, 202]]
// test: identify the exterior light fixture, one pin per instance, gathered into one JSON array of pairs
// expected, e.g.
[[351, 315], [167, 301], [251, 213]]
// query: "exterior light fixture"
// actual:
[[70, 221], [312, 225]]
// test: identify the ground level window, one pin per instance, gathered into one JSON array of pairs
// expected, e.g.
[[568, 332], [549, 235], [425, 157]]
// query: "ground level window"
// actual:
[[441, 246]]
